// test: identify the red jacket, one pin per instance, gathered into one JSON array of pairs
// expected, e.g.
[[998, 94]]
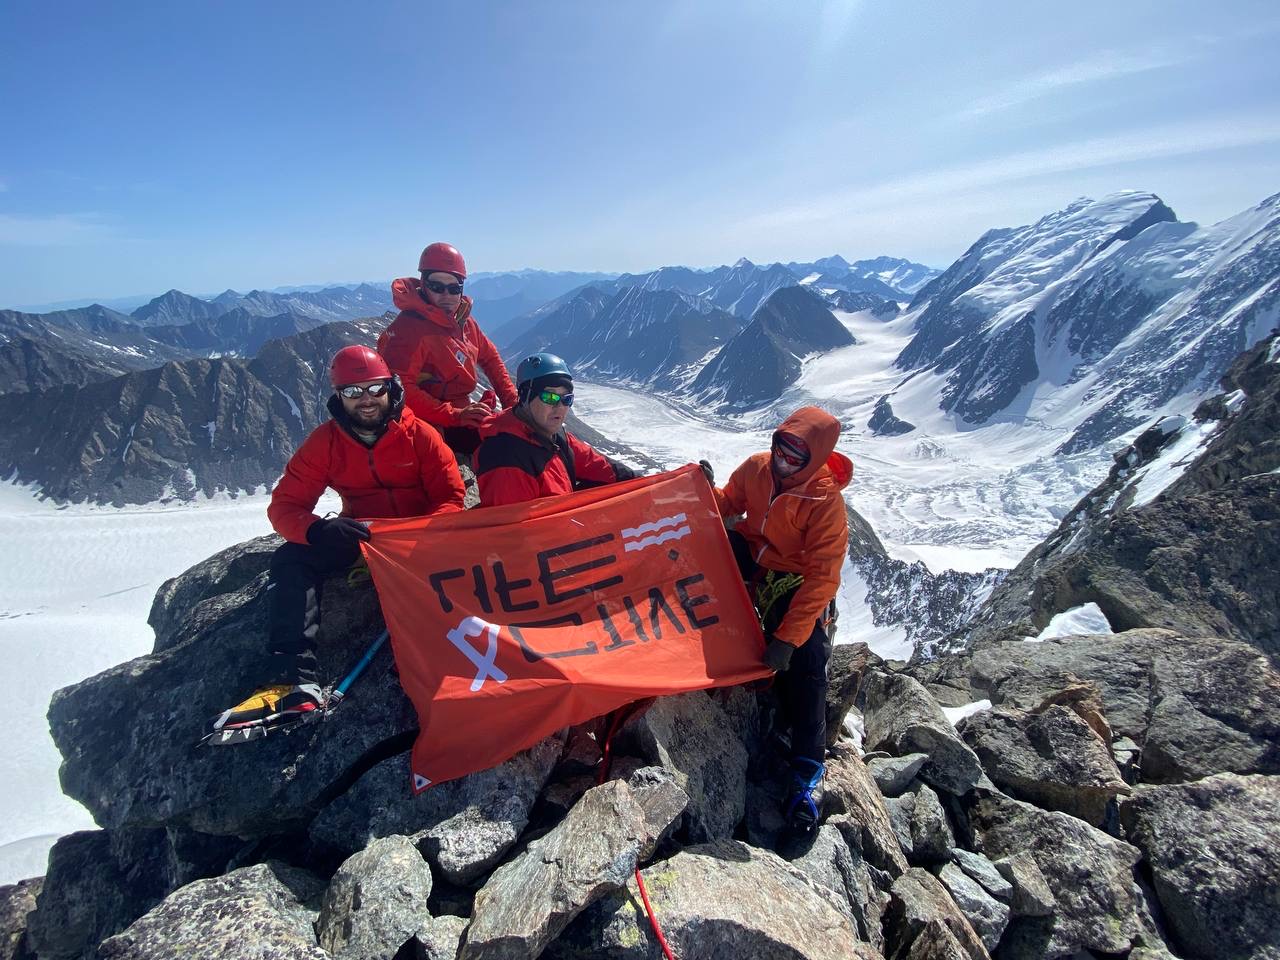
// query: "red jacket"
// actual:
[[515, 464], [408, 472], [800, 525], [436, 356]]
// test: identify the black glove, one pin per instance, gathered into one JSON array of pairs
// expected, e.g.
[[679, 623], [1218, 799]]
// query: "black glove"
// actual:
[[708, 472], [777, 654], [337, 533]]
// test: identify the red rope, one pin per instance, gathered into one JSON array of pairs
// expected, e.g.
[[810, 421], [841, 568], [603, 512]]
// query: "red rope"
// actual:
[[653, 919], [606, 761]]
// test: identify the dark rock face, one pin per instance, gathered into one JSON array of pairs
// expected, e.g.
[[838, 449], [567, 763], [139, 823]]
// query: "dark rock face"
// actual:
[[271, 906], [202, 425], [1178, 561], [1050, 758], [1214, 861], [692, 736], [98, 882], [637, 335], [884, 424], [155, 708], [1194, 706], [463, 827], [850, 302], [758, 364]]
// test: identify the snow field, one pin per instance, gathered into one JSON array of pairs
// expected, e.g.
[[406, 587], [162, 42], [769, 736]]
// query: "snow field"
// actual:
[[76, 585]]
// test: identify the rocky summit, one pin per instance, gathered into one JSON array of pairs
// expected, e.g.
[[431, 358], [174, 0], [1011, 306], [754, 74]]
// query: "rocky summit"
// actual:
[[1112, 796]]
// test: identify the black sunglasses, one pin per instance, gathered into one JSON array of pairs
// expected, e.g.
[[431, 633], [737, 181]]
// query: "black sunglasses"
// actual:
[[435, 286], [355, 391]]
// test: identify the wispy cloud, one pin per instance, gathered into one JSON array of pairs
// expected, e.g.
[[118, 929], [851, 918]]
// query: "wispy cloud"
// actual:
[[1109, 65], [1140, 145], [55, 230]]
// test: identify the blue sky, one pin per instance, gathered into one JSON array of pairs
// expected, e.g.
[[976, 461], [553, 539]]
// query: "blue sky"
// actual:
[[238, 144]]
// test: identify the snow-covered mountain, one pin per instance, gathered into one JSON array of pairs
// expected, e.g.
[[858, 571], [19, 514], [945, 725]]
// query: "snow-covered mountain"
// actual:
[[766, 357], [1095, 317], [637, 335]]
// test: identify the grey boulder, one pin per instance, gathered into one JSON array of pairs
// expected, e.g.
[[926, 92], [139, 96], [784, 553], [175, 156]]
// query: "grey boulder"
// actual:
[[693, 736], [17, 900], [375, 902], [1099, 906], [263, 912], [855, 806], [1214, 851], [902, 717], [984, 872], [715, 901], [921, 826], [1195, 706], [894, 774], [987, 915], [1053, 759], [527, 902], [919, 907], [832, 865], [1031, 894]]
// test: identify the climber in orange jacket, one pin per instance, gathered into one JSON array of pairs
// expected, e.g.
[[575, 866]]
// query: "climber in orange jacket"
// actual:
[[435, 346], [790, 546]]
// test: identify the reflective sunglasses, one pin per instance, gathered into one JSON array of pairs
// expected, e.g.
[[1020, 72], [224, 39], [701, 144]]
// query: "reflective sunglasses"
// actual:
[[789, 458], [355, 391], [552, 397], [435, 286]]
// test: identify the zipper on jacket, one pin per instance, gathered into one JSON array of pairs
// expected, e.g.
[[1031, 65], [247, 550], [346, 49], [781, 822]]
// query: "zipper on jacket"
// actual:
[[765, 519]]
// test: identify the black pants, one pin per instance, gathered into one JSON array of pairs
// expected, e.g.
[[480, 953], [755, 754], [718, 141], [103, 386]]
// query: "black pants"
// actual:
[[298, 572], [802, 687]]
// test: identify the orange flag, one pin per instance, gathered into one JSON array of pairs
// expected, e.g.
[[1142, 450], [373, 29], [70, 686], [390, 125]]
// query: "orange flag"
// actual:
[[509, 623]]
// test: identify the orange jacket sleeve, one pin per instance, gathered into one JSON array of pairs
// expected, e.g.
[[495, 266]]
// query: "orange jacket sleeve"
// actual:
[[294, 499], [825, 542], [406, 356], [439, 472], [493, 367]]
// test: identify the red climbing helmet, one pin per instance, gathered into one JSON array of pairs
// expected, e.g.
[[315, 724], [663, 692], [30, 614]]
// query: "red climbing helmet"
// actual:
[[445, 257], [356, 364]]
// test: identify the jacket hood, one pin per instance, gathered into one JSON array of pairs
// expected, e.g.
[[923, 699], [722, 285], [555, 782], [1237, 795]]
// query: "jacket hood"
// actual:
[[406, 294], [820, 431]]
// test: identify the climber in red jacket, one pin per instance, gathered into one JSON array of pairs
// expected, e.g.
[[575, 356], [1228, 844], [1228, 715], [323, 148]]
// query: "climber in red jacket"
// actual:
[[528, 453], [435, 346], [383, 462]]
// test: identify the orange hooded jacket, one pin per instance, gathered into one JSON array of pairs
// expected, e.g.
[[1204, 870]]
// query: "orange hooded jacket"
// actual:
[[436, 356], [798, 525]]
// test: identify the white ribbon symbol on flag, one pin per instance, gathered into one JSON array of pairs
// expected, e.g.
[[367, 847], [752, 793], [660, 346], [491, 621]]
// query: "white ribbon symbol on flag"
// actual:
[[460, 637]]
